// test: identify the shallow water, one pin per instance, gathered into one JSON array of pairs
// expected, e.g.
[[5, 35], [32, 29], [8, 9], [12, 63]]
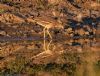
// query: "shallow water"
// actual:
[[70, 57]]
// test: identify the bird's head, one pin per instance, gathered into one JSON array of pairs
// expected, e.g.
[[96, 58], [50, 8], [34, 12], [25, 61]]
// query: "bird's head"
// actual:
[[60, 25]]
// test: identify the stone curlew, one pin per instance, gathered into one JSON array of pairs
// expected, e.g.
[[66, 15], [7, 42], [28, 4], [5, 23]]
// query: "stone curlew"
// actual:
[[47, 23]]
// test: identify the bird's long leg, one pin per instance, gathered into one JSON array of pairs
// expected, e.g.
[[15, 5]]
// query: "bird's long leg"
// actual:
[[49, 33], [44, 32], [44, 46], [48, 46]]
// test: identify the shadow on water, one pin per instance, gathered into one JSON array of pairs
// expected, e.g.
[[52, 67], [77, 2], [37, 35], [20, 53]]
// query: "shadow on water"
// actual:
[[75, 4], [72, 23], [93, 22]]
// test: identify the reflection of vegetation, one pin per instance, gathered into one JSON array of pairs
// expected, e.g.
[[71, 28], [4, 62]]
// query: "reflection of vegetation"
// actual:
[[15, 67], [97, 68], [5, 1], [98, 64], [69, 68], [1, 10], [71, 57], [20, 66]]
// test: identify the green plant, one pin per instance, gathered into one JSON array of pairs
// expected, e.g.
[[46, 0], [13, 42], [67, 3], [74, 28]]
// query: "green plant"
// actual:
[[2, 10], [16, 66], [98, 64], [51, 66], [29, 70], [71, 57], [6, 1], [69, 68]]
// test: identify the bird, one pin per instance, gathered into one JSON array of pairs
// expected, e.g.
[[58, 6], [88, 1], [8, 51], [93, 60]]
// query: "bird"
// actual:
[[47, 23]]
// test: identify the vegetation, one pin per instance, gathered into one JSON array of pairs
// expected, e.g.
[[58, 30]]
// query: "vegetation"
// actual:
[[2, 11], [98, 64], [5, 1], [20, 66], [71, 57]]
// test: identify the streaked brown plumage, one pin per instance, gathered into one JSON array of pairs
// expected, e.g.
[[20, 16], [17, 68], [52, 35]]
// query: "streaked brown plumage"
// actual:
[[47, 23]]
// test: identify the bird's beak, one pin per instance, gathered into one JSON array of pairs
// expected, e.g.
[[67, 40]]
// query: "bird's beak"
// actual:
[[62, 27]]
